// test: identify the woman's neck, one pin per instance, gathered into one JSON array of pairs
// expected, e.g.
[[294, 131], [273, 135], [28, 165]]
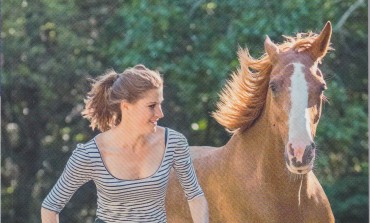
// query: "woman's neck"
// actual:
[[124, 137]]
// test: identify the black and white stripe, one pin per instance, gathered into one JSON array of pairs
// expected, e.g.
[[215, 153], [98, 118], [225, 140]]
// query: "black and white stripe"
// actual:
[[141, 200]]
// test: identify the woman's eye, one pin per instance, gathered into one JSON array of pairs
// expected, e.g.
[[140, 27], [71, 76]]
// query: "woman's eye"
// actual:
[[152, 106], [319, 73]]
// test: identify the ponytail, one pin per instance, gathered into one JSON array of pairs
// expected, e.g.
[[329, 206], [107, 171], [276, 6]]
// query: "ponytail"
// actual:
[[99, 110]]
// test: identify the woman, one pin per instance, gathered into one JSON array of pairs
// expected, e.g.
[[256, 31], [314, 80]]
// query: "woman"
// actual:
[[130, 160]]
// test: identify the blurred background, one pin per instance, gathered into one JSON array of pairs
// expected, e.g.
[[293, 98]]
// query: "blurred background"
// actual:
[[50, 47]]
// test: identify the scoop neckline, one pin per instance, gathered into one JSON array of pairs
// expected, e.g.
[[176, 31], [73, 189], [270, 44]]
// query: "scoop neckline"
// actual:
[[140, 179]]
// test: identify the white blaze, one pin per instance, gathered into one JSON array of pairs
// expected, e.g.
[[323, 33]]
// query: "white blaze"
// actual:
[[299, 118]]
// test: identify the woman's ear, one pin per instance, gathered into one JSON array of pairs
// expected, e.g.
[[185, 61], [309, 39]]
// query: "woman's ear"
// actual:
[[124, 105]]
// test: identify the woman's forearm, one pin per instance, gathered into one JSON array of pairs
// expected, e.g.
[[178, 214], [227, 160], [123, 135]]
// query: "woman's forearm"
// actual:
[[199, 209], [48, 216]]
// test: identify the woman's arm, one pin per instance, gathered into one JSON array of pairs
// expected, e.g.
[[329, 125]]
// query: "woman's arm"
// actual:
[[185, 171], [48, 216], [76, 173], [199, 209]]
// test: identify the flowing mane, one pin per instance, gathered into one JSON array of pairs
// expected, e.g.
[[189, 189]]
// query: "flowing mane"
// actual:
[[244, 95]]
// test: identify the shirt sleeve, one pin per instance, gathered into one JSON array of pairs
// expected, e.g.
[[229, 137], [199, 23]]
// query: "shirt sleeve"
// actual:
[[184, 169], [76, 173]]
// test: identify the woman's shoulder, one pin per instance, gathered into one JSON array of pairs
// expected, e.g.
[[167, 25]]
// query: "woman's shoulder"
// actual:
[[84, 148], [175, 135], [171, 131]]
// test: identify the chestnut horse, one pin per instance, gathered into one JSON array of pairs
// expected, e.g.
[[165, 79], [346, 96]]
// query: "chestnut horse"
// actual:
[[272, 105]]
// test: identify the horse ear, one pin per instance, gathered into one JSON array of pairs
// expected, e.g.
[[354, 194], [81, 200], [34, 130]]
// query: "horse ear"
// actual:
[[321, 44], [271, 49]]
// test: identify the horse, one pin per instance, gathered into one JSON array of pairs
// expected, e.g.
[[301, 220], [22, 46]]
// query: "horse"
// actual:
[[271, 106]]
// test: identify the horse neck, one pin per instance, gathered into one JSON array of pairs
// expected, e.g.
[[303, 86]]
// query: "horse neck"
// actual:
[[257, 157], [261, 150]]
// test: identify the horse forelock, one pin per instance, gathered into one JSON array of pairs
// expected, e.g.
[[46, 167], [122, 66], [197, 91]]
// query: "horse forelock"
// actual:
[[243, 97]]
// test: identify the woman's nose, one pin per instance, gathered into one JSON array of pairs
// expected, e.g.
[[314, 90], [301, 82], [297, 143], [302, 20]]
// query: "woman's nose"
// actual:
[[159, 112]]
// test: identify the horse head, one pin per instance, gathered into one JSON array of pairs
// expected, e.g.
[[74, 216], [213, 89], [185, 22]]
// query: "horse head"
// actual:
[[295, 95]]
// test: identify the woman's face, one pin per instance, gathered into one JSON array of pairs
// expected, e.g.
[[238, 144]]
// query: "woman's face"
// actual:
[[144, 113]]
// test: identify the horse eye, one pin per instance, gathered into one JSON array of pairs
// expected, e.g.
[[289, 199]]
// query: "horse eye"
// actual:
[[273, 87]]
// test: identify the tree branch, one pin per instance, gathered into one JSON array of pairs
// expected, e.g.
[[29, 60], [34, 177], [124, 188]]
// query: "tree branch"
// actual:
[[347, 14], [195, 6]]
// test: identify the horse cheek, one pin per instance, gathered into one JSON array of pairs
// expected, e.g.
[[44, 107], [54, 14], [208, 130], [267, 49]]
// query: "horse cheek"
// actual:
[[279, 118]]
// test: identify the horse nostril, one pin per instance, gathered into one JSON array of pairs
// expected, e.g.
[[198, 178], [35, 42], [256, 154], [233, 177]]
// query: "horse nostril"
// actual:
[[291, 150]]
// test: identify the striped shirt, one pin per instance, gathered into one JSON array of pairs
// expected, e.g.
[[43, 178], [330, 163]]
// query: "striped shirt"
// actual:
[[141, 200]]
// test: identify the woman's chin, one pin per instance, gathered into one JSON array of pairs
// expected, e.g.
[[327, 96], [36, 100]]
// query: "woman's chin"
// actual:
[[153, 128]]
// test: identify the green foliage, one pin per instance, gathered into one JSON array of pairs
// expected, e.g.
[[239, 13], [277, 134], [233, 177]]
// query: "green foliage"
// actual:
[[350, 198], [51, 47]]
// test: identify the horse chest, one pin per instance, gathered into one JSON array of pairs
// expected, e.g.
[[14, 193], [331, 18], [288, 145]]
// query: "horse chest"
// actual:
[[251, 201]]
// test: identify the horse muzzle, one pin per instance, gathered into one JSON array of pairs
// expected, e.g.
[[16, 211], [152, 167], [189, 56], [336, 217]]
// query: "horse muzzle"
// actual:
[[300, 159]]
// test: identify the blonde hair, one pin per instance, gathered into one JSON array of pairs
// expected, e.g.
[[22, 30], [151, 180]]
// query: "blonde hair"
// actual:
[[102, 105]]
